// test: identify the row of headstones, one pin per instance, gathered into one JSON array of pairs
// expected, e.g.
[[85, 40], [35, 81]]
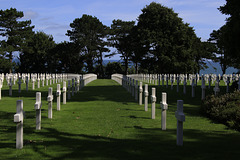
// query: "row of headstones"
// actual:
[[18, 117], [154, 78], [76, 83], [33, 77], [128, 81], [164, 106]]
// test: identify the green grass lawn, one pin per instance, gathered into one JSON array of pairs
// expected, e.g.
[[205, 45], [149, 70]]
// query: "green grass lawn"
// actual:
[[102, 121]]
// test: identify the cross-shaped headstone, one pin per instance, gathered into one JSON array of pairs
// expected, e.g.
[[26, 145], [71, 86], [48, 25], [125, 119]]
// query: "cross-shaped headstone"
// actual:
[[50, 99], [167, 81], [172, 82], [193, 88], [164, 107], [38, 82], [177, 83], [69, 90], [140, 93], [162, 79], [203, 88], [184, 85], [228, 81], [72, 87], [64, 92], [19, 84], [18, 118], [10, 87], [146, 94], [136, 90], [216, 89], [180, 119], [37, 107], [58, 94], [26, 83], [209, 81], [153, 99]]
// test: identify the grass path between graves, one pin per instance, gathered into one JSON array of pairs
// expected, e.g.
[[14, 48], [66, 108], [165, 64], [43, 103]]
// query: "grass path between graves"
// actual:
[[102, 121]]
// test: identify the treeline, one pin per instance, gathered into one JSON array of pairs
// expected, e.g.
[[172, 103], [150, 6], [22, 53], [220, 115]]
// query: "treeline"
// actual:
[[159, 42]]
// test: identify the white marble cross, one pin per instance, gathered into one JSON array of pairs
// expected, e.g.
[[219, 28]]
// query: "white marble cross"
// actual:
[[37, 107], [38, 82], [50, 99], [18, 118], [180, 119], [64, 92], [228, 81], [72, 87], [209, 81], [184, 85], [203, 88], [153, 99], [69, 90], [177, 83], [146, 94], [216, 89], [193, 88], [58, 94], [33, 83], [136, 90], [140, 93], [164, 107], [26, 83], [10, 87], [19, 84]]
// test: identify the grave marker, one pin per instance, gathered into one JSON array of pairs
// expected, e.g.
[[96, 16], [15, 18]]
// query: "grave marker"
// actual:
[[58, 94], [64, 92], [180, 119], [37, 107], [140, 93], [164, 107], [10, 87], [50, 99], [19, 84], [153, 99], [216, 89], [203, 88], [18, 118], [146, 97], [69, 94], [228, 81]]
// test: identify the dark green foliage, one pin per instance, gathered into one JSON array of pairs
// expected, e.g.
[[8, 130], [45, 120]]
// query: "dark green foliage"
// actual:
[[114, 67], [35, 55], [88, 32], [224, 109], [172, 46], [66, 57], [14, 34], [121, 40], [231, 33]]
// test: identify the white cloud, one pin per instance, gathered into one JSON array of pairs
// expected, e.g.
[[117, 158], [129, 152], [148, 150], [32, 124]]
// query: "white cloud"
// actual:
[[29, 14]]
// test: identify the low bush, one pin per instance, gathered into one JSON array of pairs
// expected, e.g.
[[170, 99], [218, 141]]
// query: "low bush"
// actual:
[[224, 109]]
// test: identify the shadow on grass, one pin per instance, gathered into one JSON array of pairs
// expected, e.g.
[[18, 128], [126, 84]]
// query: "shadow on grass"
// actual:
[[150, 143]]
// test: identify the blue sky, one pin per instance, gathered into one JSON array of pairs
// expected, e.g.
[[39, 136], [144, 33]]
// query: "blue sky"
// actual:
[[54, 16]]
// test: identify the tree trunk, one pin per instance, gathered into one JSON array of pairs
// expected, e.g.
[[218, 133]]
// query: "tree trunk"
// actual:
[[126, 65]]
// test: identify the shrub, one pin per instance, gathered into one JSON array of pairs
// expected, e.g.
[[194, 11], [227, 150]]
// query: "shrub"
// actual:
[[224, 109]]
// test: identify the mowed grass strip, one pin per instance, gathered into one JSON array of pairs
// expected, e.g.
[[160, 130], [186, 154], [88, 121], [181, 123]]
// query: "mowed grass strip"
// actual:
[[102, 121]]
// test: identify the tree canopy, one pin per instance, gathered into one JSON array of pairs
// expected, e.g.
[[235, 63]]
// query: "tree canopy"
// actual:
[[158, 42], [14, 34]]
